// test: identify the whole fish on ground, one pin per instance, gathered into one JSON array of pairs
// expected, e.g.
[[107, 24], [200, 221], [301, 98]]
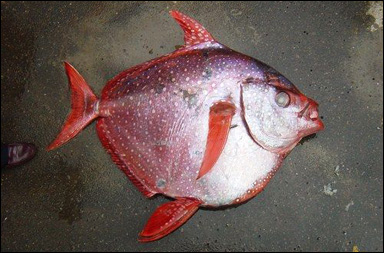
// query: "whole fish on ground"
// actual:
[[204, 125]]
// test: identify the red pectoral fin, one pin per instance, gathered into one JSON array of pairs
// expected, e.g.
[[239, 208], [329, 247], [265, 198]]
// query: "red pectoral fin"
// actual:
[[220, 117], [167, 218]]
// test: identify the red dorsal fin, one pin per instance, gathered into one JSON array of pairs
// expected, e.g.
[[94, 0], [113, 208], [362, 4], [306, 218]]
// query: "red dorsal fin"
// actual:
[[194, 33], [168, 217], [220, 117]]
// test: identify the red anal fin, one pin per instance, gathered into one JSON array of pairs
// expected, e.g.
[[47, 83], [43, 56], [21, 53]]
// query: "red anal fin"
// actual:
[[194, 32], [220, 117], [168, 217]]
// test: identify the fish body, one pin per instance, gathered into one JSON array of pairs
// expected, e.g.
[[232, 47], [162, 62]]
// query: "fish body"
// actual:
[[205, 125]]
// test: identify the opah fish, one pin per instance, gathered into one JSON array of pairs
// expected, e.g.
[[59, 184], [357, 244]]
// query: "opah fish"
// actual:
[[204, 125]]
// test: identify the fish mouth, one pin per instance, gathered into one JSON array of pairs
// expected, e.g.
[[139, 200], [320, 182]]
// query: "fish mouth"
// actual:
[[311, 114], [310, 110], [301, 113]]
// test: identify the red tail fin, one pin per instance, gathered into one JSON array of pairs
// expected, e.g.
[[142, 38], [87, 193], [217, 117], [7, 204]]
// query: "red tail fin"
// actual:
[[84, 107]]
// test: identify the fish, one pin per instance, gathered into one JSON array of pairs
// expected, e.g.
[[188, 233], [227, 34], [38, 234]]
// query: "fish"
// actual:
[[204, 125]]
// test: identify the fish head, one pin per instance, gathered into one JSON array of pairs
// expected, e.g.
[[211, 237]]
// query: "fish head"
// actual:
[[276, 113]]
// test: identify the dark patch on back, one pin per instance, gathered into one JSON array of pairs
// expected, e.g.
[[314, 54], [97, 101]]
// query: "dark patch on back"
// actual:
[[248, 80], [161, 183], [205, 54], [208, 74], [189, 98], [162, 142], [159, 88]]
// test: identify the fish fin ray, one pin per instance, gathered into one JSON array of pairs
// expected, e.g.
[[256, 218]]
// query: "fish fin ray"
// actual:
[[168, 217], [220, 117], [83, 107], [194, 32], [119, 162]]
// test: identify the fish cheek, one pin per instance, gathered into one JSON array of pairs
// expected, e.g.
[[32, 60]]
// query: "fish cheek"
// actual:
[[262, 118]]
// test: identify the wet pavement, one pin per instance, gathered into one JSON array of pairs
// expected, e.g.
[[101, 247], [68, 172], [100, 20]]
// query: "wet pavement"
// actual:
[[327, 196]]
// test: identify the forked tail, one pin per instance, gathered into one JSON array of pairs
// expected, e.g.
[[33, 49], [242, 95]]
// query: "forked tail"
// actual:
[[84, 106]]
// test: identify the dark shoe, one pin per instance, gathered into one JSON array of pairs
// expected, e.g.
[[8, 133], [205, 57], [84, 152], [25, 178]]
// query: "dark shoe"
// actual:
[[20, 153]]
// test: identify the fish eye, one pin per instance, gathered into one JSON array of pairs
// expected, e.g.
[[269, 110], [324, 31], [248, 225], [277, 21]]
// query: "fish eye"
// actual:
[[282, 99]]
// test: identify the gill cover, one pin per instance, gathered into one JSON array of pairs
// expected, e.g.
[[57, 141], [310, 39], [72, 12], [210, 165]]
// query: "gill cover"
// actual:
[[276, 113]]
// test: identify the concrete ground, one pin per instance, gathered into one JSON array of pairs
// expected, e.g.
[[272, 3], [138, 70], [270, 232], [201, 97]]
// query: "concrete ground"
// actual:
[[75, 198]]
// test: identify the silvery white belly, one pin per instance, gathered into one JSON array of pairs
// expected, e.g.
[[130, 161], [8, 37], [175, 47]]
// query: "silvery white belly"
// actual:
[[242, 165]]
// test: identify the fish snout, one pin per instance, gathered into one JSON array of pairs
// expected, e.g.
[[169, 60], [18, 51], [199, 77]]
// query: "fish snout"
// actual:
[[311, 120], [312, 114], [313, 111]]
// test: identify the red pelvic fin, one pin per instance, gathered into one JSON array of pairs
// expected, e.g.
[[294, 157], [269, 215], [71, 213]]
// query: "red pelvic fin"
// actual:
[[220, 117], [194, 33], [84, 107], [167, 218]]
